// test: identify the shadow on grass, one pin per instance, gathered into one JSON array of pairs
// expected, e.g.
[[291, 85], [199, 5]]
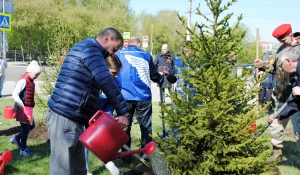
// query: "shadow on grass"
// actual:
[[291, 155], [10, 131]]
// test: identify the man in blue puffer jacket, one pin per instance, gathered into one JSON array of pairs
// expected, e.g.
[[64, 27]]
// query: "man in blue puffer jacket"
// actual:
[[135, 76], [74, 100]]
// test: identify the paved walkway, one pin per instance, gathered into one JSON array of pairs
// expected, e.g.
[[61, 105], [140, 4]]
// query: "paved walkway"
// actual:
[[16, 69]]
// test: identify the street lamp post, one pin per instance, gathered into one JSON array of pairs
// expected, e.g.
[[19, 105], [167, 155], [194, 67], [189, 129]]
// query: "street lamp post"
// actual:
[[151, 43], [188, 35], [3, 35]]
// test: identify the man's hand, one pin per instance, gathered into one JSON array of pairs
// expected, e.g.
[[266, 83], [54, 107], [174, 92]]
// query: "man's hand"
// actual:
[[258, 62], [271, 120], [123, 122], [164, 69], [260, 73], [296, 90]]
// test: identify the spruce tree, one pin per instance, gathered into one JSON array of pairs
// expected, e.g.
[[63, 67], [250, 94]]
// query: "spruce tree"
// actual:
[[210, 131]]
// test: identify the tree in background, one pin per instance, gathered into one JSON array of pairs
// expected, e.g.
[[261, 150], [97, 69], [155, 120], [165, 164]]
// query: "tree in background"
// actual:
[[248, 51], [35, 21], [214, 123], [165, 25], [53, 27]]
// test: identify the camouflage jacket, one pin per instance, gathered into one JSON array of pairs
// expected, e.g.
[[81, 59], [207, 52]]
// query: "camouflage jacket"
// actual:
[[283, 86]]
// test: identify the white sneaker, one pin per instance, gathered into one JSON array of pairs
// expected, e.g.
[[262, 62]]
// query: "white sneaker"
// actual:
[[112, 168], [88, 173], [145, 157]]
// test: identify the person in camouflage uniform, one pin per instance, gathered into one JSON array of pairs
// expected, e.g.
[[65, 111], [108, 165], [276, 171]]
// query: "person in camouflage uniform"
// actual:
[[284, 35]]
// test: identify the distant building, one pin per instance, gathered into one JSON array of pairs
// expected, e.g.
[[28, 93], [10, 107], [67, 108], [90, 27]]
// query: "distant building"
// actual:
[[266, 45], [269, 46]]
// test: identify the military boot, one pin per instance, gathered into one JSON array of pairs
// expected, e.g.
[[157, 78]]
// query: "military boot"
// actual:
[[277, 152]]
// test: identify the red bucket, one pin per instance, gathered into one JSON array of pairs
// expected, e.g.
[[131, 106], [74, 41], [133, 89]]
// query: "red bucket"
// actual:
[[104, 137], [9, 112]]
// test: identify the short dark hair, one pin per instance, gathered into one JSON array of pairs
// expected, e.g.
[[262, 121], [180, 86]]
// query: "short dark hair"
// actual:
[[114, 33]]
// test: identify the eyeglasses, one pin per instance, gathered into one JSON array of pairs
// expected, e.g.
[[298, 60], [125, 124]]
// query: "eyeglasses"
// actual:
[[280, 65]]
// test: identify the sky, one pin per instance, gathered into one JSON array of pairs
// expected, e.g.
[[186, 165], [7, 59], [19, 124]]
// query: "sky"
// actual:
[[265, 15]]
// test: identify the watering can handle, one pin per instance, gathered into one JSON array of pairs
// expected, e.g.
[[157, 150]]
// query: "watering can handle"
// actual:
[[97, 115]]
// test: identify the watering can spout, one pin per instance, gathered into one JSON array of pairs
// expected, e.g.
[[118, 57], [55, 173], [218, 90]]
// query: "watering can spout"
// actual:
[[149, 149], [5, 158]]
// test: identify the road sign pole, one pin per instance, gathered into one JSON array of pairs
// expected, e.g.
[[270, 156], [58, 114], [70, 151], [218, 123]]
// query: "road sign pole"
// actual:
[[3, 34]]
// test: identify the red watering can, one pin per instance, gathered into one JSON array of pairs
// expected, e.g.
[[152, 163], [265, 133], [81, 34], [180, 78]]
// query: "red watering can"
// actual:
[[9, 112], [104, 137], [253, 128], [4, 158]]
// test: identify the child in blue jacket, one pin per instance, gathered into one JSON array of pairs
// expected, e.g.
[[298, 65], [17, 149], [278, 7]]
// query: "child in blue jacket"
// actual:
[[114, 65]]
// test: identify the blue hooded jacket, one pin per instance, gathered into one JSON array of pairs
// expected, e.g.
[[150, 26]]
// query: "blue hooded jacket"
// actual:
[[83, 73], [136, 73]]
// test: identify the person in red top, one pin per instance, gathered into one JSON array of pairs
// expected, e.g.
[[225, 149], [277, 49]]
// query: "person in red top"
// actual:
[[23, 95]]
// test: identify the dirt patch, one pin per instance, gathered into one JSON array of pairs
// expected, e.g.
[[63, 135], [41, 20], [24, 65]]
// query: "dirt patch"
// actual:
[[289, 132], [274, 170], [39, 133]]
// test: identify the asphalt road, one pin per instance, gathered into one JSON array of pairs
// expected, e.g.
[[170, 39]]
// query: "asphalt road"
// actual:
[[16, 69]]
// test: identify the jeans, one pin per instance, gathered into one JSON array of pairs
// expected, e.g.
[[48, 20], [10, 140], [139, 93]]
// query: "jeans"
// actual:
[[23, 134], [67, 152], [265, 96], [143, 111], [1, 83]]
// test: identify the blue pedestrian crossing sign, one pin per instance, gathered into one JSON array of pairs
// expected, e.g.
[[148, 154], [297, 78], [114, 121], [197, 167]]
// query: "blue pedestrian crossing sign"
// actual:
[[5, 22], [126, 35]]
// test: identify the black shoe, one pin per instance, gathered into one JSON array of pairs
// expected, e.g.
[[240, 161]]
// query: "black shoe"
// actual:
[[1, 96], [127, 159]]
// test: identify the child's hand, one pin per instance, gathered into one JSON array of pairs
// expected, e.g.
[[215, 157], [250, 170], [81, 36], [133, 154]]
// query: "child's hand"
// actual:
[[21, 106]]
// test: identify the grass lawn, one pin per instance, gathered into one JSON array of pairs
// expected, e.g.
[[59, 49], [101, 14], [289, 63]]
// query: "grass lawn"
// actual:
[[39, 164]]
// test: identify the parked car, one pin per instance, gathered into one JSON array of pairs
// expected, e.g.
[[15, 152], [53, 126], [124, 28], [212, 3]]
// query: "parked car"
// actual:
[[248, 69]]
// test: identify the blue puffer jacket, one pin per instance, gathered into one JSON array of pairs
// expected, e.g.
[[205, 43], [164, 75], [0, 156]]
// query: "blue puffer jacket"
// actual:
[[103, 103], [82, 75]]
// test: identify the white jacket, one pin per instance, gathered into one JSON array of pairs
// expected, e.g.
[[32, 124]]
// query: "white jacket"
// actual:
[[3, 66]]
